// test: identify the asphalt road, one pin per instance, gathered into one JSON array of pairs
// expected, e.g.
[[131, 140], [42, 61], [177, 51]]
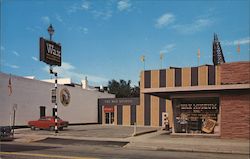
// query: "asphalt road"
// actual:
[[83, 150]]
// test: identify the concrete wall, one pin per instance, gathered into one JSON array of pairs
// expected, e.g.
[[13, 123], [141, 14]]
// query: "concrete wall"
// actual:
[[30, 94]]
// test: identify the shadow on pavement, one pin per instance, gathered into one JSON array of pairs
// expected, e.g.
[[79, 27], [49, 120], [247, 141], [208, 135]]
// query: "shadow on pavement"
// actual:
[[82, 142], [20, 148]]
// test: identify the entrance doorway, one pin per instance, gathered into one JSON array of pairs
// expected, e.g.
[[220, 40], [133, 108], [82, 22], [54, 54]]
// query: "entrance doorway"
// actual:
[[109, 114], [109, 118]]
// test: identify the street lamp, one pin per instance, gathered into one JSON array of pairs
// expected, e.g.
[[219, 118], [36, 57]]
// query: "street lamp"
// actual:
[[51, 31]]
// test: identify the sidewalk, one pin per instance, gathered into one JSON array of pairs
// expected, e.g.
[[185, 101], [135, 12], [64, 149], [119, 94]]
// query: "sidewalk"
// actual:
[[162, 142], [159, 141]]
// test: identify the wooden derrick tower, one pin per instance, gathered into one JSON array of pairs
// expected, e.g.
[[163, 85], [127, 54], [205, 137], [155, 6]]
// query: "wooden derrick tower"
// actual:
[[218, 57]]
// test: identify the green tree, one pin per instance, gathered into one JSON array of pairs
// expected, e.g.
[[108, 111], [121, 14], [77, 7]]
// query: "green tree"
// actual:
[[123, 89]]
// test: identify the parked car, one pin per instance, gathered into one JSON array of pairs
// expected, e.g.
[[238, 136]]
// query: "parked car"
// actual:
[[6, 133], [48, 122]]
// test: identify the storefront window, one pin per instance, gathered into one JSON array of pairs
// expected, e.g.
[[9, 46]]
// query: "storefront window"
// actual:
[[195, 115]]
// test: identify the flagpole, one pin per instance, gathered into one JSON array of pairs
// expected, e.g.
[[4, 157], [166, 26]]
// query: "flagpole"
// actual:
[[238, 48], [143, 60], [161, 58], [198, 55]]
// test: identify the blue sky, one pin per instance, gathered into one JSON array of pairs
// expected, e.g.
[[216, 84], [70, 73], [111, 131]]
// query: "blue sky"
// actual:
[[104, 40]]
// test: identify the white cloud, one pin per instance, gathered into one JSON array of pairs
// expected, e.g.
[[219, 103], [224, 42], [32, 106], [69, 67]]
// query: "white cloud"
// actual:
[[45, 19], [11, 66], [164, 20], [124, 5], [68, 70], [85, 5], [34, 58], [15, 53], [168, 48], [59, 18], [30, 29], [241, 41], [33, 29], [83, 30], [197, 25], [102, 14]]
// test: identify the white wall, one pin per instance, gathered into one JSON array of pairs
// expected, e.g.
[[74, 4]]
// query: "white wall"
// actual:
[[30, 94]]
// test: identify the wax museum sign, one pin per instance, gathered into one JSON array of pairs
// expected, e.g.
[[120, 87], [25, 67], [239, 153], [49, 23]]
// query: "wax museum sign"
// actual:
[[50, 52], [199, 107]]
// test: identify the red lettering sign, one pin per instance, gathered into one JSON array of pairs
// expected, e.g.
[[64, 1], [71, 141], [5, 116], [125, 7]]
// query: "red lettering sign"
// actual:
[[108, 109]]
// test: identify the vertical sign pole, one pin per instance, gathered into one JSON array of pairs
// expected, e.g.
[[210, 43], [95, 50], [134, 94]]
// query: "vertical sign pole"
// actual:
[[14, 118], [56, 114], [56, 122], [51, 32]]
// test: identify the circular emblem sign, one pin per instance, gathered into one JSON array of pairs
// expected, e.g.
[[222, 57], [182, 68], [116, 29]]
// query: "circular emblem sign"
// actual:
[[65, 96]]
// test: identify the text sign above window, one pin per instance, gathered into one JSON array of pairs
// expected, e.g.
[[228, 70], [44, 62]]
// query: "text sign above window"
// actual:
[[199, 107], [108, 109], [50, 52]]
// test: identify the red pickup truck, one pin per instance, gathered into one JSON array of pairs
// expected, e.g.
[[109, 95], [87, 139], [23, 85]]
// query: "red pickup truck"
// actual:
[[48, 122]]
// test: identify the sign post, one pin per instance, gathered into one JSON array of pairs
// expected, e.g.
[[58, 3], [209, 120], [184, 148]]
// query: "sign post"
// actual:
[[50, 53], [14, 117]]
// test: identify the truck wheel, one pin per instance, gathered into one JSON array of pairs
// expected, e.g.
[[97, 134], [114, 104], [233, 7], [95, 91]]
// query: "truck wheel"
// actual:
[[61, 128], [52, 128], [33, 127]]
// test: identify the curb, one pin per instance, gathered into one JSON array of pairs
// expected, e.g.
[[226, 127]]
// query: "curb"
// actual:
[[156, 148], [145, 132]]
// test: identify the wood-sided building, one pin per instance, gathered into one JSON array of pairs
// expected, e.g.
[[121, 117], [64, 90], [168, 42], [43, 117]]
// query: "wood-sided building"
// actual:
[[208, 99]]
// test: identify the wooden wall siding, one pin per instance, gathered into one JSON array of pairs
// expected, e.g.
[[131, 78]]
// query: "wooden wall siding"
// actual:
[[103, 115], [140, 111], [162, 108], [203, 76], [162, 78], [194, 76], [147, 79], [169, 110], [178, 77], [211, 75], [186, 77], [142, 80], [133, 114], [140, 108], [119, 115], [155, 79], [154, 111], [218, 76], [115, 115], [170, 78], [126, 115], [147, 111]]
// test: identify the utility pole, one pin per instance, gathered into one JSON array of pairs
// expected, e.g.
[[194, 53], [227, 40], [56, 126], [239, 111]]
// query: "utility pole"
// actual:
[[51, 32]]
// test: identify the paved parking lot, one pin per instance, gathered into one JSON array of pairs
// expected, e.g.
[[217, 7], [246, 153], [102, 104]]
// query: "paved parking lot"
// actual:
[[98, 131]]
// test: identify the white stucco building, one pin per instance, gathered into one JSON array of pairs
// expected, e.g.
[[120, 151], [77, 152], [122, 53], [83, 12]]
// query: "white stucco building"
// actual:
[[30, 95]]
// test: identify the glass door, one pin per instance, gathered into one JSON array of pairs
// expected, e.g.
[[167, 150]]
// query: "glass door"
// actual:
[[109, 118]]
